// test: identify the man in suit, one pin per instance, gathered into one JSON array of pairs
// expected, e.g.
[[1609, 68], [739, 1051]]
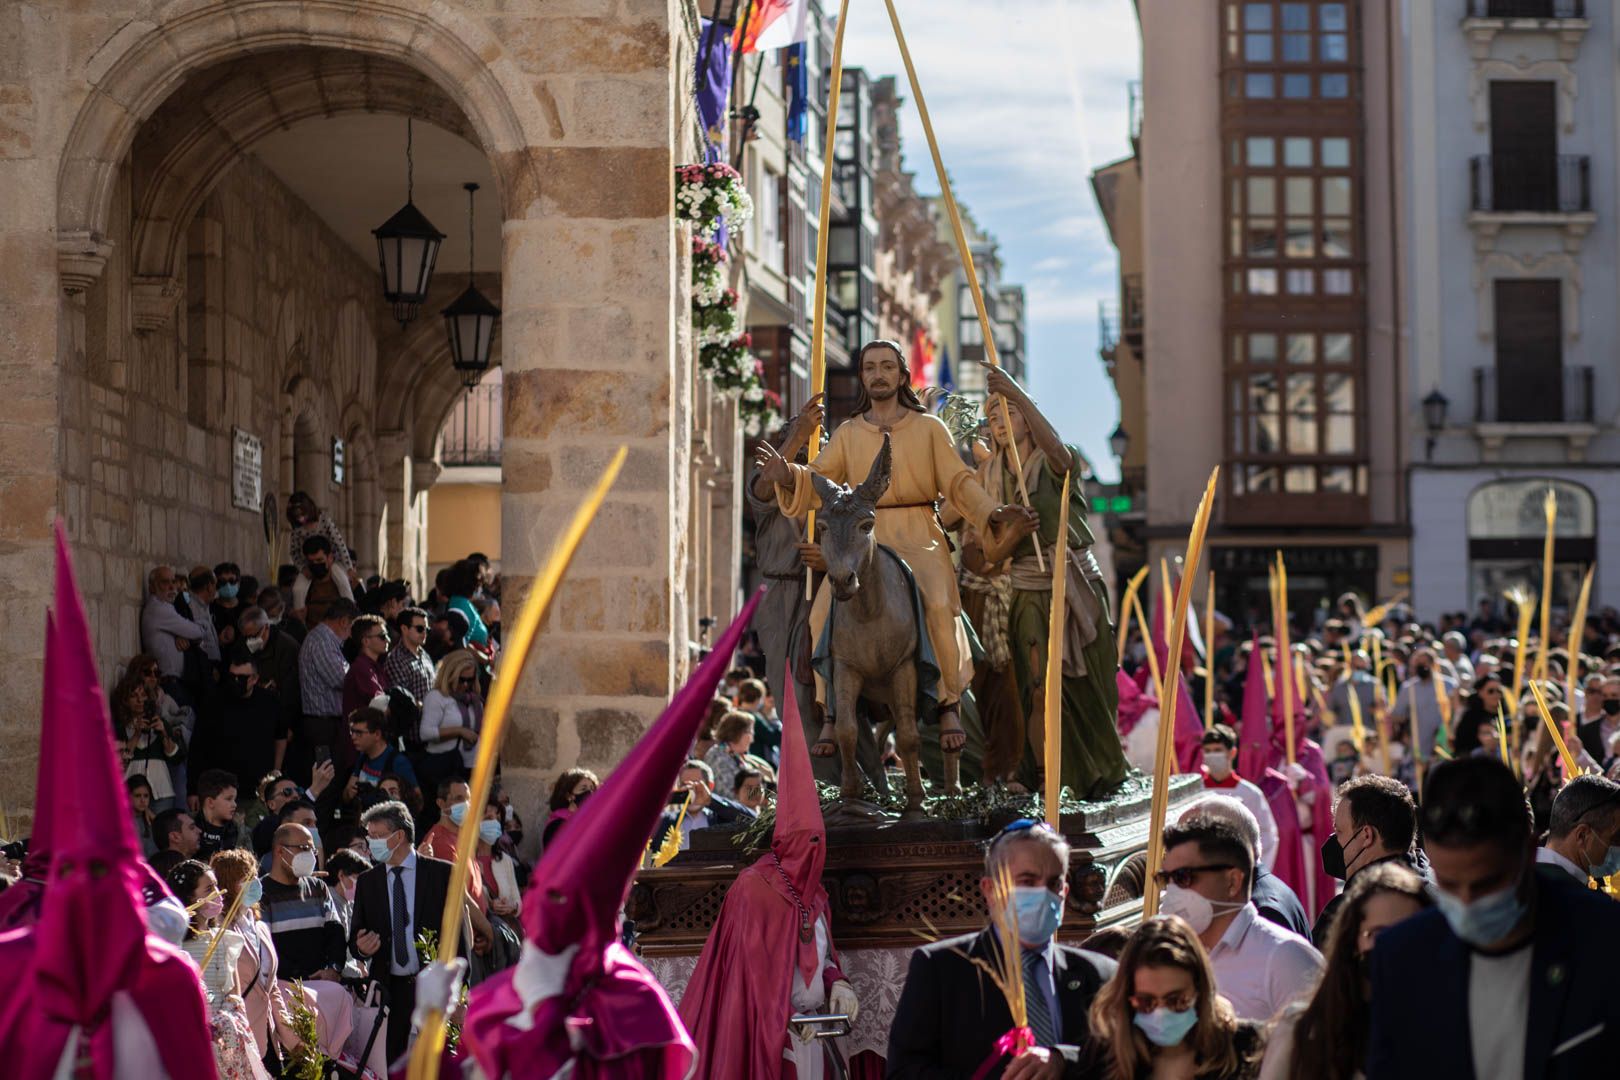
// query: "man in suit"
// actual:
[[950, 1014], [400, 896], [1535, 955]]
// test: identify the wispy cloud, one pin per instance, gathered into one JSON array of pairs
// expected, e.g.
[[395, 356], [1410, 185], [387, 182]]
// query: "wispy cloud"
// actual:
[[1027, 97]]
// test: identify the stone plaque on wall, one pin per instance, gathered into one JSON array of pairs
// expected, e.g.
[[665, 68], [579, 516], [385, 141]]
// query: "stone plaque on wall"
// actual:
[[247, 469], [337, 461]]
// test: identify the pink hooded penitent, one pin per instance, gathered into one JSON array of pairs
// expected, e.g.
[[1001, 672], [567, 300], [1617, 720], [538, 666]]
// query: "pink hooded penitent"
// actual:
[[738, 1000], [1189, 734], [577, 995], [86, 978]]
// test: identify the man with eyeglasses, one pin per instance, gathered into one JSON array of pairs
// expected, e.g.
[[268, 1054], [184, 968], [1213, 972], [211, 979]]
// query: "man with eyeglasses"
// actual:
[[365, 679], [1207, 877], [950, 1015], [407, 664], [1510, 974], [165, 633], [1583, 834]]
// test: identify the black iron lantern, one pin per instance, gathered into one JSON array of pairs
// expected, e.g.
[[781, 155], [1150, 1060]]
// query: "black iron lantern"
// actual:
[[472, 319], [1119, 441], [1434, 417], [407, 248]]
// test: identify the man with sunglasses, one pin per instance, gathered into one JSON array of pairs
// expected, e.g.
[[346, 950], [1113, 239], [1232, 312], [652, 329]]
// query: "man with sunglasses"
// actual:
[[407, 664], [1583, 834], [1207, 878], [950, 1015]]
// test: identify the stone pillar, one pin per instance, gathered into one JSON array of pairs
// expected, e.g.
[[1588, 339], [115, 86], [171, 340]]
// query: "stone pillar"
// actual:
[[594, 277]]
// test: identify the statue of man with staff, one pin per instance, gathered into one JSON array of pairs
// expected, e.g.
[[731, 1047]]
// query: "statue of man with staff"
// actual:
[[1093, 762], [925, 471]]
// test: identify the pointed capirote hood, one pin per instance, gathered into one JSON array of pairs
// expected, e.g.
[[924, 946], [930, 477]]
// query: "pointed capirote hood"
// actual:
[[582, 879], [92, 922], [1254, 729], [799, 840]]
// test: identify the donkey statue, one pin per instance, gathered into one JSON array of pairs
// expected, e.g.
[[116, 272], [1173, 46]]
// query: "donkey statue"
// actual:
[[873, 631]]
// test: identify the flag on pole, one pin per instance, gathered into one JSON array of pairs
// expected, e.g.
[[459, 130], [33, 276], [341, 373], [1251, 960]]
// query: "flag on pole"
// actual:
[[798, 94], [713, 87], [772, 24], [947, 380]]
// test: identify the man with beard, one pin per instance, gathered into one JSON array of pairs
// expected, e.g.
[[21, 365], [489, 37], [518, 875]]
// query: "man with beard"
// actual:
[[925, 470]]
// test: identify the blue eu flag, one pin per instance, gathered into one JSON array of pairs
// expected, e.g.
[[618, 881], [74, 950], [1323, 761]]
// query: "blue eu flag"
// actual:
[[798, 93]]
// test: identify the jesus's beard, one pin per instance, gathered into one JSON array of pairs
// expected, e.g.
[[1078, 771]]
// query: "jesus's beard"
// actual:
[[883, 393]]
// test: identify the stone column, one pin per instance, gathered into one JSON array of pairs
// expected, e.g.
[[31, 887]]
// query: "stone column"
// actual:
[[594, 277]]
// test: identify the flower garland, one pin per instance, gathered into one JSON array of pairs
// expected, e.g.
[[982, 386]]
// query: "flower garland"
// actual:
[[760, 411], [708, 271], [716, 323], [704, 194], [729, 364]]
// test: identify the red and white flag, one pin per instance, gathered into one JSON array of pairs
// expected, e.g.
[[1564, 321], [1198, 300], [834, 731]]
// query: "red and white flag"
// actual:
[[772, 24]]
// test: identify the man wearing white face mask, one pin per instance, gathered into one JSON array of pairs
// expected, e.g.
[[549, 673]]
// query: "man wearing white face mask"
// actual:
[[1221, 778], [1207, 875], [299, 910], [1534, 954], [950, 1015], [1583, 834]]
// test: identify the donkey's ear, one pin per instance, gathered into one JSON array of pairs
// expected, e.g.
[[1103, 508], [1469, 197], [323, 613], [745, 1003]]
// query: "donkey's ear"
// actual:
[[825, 489], [877, 481]]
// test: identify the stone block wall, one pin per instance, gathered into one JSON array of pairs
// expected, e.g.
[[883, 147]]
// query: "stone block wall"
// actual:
[[271, 299]]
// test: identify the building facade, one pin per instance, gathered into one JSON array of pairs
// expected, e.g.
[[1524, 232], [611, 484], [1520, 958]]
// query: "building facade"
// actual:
[[1264, 184], [962, 336], [1510, 281], [195, 318]]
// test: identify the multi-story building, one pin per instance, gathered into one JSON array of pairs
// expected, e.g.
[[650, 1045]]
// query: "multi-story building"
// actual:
[[1510, 284], [1267, 305], [962, 337]]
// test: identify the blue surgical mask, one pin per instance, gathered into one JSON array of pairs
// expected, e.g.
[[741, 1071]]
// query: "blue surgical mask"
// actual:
[[252, 892], [315, 837], [1609, 866], [1166, 1028], [381, 850], [1039, 911], [489, 831], [228, 591], [458, 814], [1485, 921]]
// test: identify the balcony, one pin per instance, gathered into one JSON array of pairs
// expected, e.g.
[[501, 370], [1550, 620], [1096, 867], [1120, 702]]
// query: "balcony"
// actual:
[[1513, 403], [1132, 310], [472, 431], [1544, 10], [1526, 184], [1107, 330]]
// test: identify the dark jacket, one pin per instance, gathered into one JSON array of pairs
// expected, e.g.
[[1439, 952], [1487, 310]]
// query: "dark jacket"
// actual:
[[277, 663], [1413, 860], [1096, 1063], [1573, 1027], [372, 912], [1279, 904], [950, 1014]]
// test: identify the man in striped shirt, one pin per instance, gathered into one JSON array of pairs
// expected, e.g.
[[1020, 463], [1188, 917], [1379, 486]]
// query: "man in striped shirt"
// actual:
[[300, 912]]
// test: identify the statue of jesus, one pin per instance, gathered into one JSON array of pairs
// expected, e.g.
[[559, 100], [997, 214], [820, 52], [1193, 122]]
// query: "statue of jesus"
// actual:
[[926, 469]]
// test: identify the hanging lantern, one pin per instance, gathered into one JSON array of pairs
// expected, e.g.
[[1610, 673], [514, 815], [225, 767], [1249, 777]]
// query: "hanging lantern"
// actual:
[[471, 319], [407, 248]]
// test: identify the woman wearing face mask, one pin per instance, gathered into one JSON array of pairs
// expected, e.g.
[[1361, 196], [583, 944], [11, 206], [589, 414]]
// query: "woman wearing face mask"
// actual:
[[256, 968], [1327, 1038], [235, 1053], [503, 877], [1159, 1017], [452, 715]]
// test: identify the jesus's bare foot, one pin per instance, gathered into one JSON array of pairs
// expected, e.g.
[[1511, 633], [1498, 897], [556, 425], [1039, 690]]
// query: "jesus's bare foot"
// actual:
[[951, 736]]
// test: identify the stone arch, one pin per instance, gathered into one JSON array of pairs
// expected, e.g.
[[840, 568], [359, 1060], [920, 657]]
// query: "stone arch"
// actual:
[[360, 486], [199, 133], [305, 415], [141, 65]]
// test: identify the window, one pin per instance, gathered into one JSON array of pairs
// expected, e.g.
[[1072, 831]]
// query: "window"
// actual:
[[767, 221], [1302, 212], [1293, 396], [1275, 40], [1529, 370]]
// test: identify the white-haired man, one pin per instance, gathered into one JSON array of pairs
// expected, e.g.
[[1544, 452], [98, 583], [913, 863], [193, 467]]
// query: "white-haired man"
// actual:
[[1272, 897]]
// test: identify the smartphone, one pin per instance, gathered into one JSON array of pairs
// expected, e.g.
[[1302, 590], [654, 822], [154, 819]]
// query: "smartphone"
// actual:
[[323, 754]]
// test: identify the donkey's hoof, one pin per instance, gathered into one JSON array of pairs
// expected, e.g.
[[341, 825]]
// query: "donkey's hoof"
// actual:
[[913, 813]]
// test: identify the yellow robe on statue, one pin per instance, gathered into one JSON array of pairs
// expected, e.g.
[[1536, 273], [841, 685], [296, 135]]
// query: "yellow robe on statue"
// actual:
[[925, 467]]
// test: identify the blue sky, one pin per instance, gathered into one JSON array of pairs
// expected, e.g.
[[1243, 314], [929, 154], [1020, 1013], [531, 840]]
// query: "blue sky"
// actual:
[[1027, 98]]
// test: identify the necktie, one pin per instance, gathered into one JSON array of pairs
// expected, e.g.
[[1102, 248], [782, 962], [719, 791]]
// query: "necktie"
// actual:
[[1035, 982], [402, 921]]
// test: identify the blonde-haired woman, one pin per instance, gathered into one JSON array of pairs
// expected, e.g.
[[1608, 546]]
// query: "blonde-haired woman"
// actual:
[[236, 871], [1159, 1017], [452, 716]]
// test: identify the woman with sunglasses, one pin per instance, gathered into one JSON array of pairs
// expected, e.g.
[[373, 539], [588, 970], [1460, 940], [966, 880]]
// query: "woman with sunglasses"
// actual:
[[1327, 1039], [1160, 1018], [452, 715]]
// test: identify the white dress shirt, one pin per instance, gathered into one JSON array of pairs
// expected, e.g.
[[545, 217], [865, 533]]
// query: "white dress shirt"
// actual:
[[414, 962], [1260, 967], [1552, 858]]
